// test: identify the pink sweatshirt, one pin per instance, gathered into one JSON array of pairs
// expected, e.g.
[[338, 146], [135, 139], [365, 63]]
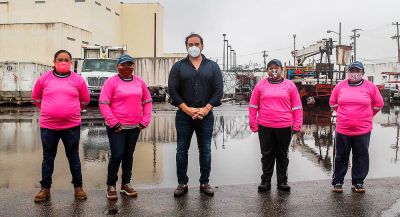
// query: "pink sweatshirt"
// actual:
[[125, 102], [275, 106], [355, 107], [60, 100]]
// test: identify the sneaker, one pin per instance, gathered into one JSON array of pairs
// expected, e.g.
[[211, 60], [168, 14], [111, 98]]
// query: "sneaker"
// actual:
[[264, 187], [112, 193], [284, 187], [207, 189], [80, 193], [181, 190], [338, 188], [128, 190], [358, 188], [42, 195]]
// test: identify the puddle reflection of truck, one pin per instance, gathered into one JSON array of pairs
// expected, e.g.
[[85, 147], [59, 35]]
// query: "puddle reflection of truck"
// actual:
[[98, 63]]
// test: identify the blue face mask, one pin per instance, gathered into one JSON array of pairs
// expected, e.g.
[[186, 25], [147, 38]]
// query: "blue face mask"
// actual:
[[194, 51]]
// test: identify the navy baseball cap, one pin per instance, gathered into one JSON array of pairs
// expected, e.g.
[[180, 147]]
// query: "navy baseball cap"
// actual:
[[125, 58], [276, 62], [356, 64]]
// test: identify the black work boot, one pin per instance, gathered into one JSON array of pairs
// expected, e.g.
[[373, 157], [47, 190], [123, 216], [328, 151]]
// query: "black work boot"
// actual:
[[284, 187], [264, 187]]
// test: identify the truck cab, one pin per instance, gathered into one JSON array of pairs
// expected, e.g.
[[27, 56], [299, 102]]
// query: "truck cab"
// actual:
[[98, 64]]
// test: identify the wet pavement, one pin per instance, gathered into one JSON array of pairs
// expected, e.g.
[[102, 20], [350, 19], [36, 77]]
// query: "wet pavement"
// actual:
[[235, 150], [309, 199], [235, 164]]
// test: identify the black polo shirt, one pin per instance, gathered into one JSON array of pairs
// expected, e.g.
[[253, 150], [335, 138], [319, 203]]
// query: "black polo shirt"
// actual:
[[194, 87]]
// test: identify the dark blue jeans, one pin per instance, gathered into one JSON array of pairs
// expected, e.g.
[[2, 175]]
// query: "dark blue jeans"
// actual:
[[360, 166], [122, 146], [185, 126], [70, 138]]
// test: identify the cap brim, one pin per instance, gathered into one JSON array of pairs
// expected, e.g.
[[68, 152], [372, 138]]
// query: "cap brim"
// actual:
[[125, 61], [358, 67]]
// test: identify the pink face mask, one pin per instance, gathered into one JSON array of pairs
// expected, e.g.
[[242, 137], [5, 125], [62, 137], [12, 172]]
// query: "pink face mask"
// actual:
[[63, 67], [355, 76]]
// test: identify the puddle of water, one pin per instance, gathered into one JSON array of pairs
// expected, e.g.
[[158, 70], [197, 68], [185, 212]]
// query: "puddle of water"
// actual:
[[235, 150], [111, 212]]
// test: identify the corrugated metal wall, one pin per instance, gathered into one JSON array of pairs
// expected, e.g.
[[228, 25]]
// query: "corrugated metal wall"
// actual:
[[155, 71]]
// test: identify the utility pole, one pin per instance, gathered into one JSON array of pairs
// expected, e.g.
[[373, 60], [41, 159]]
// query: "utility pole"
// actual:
[[294, 49], [340, 35], [265, 58], [223, 53], [397, 36], [234, 59], [231, 57], [228, 56], [340, 38], [354, 38]]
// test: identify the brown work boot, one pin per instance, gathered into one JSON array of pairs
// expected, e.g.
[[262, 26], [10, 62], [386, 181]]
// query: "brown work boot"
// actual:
[[112, 193], [128, 190], [181, 190], [80, 193], [42, 195], [207, 189]]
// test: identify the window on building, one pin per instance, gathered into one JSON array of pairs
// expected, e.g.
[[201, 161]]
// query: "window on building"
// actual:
[[116, 13], [108, 9], [85, 42], [80, 0], [371, 78], [97, 3], [71, 39], [3, 2], [40, 2]]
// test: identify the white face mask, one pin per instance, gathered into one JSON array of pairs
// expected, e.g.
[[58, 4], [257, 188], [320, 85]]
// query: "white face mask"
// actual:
[[275, 73], [194, 51]]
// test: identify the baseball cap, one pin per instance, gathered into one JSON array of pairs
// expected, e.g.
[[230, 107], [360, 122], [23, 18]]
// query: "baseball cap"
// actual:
[[276, 62], [125, 58]]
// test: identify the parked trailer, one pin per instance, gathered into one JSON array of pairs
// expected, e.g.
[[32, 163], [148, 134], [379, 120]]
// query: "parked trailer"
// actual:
[[17, 80]]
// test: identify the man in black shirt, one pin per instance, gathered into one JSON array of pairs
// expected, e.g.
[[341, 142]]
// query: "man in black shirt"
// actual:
[[195, 86]]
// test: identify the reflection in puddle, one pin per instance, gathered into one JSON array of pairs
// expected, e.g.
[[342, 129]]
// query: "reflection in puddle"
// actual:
[[235, 150]]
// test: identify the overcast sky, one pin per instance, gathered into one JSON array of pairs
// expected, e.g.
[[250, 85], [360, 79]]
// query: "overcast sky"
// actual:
[[256, 25]]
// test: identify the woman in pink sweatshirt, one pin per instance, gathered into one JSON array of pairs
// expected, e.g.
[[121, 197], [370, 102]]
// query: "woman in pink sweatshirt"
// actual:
[[60, 95], [126, 106], [356, 101], [275, 112]]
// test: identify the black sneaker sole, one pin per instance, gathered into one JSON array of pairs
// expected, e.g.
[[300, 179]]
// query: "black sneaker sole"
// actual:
[[284, 189], [262, 189]]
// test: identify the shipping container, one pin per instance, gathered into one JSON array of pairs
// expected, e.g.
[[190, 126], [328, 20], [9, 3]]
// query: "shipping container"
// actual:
[[17, 80]]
